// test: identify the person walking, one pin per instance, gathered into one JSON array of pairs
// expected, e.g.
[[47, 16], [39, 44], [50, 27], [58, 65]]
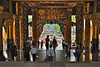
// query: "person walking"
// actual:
[[34, 43], [34, 51], [41, 44], [63, 44], [78, 51], [47, 42], [29, 40], [13, 51], [67, 50], [54, 44], [27, 52]]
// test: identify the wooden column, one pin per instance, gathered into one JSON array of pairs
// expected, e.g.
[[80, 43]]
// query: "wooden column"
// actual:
[[1, 38], [17, 26], [87, 18], [38, 35], [79, 23], [34, 27], [17, 32], [69, 23], [9, 30], [24, 23], [95, 40], [87, 37]]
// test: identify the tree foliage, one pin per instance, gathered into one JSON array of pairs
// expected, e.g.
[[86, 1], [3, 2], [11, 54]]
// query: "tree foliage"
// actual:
[[47, 26], [57, 28]]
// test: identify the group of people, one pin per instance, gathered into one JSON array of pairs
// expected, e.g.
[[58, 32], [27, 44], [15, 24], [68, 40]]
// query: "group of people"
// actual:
[[38, 44], [78, 50], [28, 48], [54, 43], [31, 48], [50, 51]]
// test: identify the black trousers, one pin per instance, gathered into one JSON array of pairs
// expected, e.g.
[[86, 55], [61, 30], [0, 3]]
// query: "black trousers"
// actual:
[[27, 56], [41, 46], [78, 57], [12, 55], [47, 46], [68, 54], [34, 57], [63, 46]]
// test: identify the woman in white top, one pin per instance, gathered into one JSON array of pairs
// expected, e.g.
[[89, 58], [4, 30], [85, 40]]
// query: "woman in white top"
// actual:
[[34, 51]]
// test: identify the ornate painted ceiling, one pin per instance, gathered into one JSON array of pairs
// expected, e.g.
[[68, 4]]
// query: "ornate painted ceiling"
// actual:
[[56, 10], [46, 4]]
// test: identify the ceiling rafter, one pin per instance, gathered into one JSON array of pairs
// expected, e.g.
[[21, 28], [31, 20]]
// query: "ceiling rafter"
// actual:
[[52, 4]]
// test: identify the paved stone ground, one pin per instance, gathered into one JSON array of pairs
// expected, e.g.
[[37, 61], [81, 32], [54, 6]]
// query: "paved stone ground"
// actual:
[[48, 64]]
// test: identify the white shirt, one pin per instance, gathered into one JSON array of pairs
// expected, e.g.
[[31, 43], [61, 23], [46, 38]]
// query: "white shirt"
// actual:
[[34, 50], [50, 52]]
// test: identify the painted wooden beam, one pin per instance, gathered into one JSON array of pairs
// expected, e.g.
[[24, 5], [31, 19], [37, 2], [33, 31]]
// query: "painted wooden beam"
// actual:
[[53, 0]]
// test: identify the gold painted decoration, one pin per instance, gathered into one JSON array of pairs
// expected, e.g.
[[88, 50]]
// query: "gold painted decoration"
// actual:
[[51, 14]]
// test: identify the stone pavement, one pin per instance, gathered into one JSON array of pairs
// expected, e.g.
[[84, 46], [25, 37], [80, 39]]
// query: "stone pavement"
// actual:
[[49, 64]]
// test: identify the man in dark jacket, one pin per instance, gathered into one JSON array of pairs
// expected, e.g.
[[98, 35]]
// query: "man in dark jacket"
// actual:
[[13, 51], [67, 50], [78, 51], [27, 51]]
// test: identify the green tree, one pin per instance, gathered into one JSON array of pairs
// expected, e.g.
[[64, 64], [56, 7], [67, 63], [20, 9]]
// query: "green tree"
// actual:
[[57, 27], [47, 25], [29, 19]]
